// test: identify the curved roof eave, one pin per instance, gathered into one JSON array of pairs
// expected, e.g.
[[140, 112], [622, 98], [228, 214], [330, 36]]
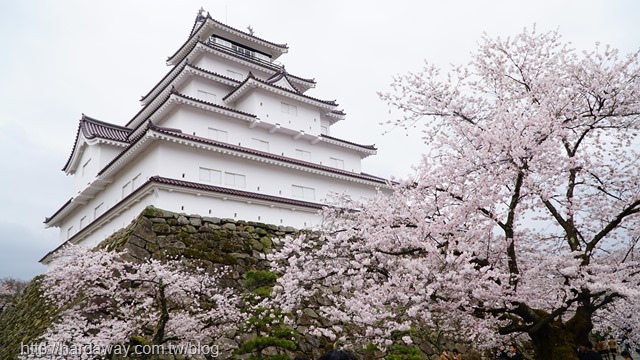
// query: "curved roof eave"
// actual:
[[208, 28]]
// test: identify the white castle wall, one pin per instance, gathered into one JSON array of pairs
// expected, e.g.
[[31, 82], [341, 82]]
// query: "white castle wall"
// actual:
[[183, 162], [198, 122]]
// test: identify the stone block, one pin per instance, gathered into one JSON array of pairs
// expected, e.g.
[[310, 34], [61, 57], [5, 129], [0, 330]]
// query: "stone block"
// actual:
[[229, 226], [212, 220]]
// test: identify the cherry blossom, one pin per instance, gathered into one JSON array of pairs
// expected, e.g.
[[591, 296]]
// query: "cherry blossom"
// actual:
[[106, 300], [523, 220]]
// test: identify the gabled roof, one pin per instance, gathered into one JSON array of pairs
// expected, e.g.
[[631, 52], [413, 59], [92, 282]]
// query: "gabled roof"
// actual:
[[252, 82], [281, 79], [90, 128]]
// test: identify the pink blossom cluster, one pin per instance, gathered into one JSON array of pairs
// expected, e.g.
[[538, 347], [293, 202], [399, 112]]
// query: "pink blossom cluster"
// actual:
[[525, 209], [104, 299]]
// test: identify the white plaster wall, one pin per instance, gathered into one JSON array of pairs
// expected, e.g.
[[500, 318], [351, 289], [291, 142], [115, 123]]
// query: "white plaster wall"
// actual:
[[261, 177], [183, 162], [191, 87], [268, 107], [144, 166], [100, 155], [111, 225], [197, 122], [190, 203], [219, 65], [108, 153], [218, 207], [80, 177]]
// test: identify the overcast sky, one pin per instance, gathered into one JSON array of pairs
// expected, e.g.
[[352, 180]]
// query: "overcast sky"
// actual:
[[64, 58]]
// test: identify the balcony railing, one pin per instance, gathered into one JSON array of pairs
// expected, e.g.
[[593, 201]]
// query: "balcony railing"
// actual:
[[241, 52]]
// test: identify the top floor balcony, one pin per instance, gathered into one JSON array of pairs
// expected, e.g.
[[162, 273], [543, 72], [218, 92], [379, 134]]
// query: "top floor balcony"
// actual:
[[243, 52]]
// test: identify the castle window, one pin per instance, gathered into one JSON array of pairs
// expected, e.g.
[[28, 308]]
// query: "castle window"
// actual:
[[235, 180], [98, 210], [289, 109], [260, 145], [303, 155], [211, 175], [69, 232], [336, 163], [135, 182], [126, 189], [207, 96], [218, 135], [324, 130], [85, 167], [83, 222], [303, 192]]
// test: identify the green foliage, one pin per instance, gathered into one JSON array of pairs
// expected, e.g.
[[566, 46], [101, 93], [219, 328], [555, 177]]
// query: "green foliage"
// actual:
[[281, 339], [399, 350], [255, 279], [272, 339]]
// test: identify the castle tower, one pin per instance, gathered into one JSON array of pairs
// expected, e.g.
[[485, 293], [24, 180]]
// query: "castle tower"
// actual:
[[227, 132]]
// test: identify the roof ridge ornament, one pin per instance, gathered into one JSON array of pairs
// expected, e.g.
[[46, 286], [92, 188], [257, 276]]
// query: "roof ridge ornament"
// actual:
[[200, 19], [200, 16]]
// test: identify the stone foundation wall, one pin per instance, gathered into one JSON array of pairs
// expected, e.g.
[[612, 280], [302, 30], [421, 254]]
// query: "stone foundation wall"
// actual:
[[207, 241]]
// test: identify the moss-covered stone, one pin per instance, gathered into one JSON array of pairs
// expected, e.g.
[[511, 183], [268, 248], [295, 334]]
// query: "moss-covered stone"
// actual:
[[25, 320]]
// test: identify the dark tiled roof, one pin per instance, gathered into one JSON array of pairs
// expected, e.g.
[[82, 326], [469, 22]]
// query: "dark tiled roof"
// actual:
[[160, 82], [212, 73], [234, 192], [282, 46], [251, 77], [92, 128], [193, 31], [214, 105], [175, 75], [312, 81], [47, 219], [279, 75], [282, 72], [371, 147]]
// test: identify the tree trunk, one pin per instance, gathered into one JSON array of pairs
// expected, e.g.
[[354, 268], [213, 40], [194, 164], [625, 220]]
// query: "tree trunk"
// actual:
[[559, 341]]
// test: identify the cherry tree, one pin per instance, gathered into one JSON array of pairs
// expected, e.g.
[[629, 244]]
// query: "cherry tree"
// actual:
[[108, 300], [9, 289], [523, 219]]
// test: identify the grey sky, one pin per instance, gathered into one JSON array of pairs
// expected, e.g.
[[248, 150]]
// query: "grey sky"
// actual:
[[64, 58]]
